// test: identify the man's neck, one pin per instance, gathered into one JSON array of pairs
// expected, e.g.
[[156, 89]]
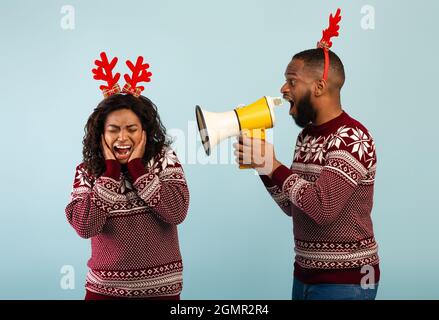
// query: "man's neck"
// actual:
[[328, 116], [327, 110]]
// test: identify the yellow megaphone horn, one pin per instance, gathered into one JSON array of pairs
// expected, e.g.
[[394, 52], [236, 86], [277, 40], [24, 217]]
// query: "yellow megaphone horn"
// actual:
[[253, 119]]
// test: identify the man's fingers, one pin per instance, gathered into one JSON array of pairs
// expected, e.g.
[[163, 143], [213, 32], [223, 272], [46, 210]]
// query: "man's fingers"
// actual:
[[240, 160], [245, 140], [250, 141], [250, 151], [243, 150], [238, 146], [244, 156]]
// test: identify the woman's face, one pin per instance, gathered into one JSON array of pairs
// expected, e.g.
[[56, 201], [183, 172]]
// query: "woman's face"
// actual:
[[122, 132]]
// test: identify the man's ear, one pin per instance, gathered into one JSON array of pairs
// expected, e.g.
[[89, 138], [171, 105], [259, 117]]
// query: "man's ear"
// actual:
[[320, 87]]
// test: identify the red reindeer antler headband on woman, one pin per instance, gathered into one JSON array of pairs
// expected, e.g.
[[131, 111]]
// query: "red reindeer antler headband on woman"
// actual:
[[325, 43], [104, 72]]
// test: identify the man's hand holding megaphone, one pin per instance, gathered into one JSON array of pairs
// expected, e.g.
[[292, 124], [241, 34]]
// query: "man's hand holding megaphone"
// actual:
[[257, 154]]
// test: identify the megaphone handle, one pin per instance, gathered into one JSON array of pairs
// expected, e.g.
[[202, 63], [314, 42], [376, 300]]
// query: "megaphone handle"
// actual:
[[253, 133]]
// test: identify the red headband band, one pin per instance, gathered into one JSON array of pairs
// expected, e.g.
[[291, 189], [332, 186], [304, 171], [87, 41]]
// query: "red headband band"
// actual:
[[104, 72], [325, 43]]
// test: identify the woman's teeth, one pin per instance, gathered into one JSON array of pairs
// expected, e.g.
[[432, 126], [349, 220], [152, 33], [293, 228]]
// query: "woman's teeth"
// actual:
[[122, 150]]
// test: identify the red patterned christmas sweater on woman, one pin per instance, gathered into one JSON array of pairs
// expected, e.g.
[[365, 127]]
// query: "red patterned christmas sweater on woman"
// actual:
[[131, 214], [328, 191]]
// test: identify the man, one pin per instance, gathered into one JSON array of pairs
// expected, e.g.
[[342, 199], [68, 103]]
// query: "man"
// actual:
[[328, 190]]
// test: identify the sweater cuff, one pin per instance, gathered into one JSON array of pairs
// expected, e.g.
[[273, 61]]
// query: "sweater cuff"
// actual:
[[280, 175], [267, 181], [112, 169], [136, 168]]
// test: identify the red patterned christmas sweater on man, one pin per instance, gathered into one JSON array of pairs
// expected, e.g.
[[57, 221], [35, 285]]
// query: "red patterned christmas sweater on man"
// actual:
[[328, 191], [131, 214]]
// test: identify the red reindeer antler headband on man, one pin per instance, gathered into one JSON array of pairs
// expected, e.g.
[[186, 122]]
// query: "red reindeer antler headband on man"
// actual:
[[104, 72], [325, 43]]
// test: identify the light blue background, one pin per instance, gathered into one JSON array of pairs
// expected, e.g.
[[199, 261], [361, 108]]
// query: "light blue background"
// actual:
[[235, 242]]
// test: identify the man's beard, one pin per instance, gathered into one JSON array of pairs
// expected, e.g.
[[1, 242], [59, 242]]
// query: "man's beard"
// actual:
[[305, 111]]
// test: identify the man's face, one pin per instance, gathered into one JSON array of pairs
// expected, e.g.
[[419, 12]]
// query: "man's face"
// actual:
[[122, 132], [297, 90]]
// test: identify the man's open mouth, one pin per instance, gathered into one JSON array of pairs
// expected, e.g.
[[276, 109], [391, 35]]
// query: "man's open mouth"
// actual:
[[292, 106], [290, 100]]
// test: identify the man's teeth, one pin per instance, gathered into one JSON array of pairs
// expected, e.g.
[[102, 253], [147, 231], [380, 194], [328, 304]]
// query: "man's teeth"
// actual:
[[123, 147]]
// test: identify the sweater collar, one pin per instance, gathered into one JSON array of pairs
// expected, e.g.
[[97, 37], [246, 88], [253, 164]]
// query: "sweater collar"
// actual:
[[329, 126]]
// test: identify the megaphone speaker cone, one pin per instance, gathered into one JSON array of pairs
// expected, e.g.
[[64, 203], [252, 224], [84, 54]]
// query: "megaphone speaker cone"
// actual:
[[202, 128]]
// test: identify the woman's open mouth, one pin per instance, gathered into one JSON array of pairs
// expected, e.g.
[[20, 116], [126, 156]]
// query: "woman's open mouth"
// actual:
[[122, 152]]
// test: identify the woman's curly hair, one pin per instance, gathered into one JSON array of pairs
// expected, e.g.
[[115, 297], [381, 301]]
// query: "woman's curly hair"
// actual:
[[93, 157]]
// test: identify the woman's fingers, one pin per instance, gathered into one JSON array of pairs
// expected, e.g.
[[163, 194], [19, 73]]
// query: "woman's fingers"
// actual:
[[139, 150], [108, 154]]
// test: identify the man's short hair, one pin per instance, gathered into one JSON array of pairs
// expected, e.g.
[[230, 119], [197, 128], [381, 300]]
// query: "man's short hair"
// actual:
[[314, 60]]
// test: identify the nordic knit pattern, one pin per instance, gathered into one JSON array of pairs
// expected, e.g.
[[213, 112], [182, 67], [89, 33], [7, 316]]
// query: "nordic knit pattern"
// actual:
[[131, 217], [328, 191]]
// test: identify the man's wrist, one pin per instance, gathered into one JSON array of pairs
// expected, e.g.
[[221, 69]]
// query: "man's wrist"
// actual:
[[276, 164]]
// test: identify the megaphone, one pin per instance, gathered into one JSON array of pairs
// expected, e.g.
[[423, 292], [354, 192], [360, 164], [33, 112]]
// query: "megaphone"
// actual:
[[253, 119]]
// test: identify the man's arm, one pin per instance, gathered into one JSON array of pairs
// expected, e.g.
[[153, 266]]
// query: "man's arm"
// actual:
[[323, 199], [276, 193]]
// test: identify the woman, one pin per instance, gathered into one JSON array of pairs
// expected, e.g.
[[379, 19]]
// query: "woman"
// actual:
[[129, 195]]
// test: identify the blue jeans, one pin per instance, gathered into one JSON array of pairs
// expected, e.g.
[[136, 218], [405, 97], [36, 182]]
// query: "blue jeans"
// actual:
[[303, 291]]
